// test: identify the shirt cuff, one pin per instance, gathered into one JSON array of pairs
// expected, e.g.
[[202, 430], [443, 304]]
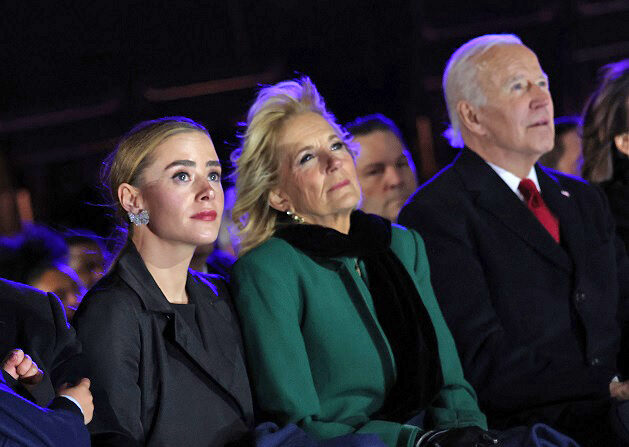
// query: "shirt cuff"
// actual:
[[74, 401]]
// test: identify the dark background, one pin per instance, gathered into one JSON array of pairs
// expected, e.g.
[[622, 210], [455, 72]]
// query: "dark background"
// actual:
[[76, 75]]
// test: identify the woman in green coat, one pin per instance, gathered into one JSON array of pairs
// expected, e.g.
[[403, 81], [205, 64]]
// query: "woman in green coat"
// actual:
[[342, 330]]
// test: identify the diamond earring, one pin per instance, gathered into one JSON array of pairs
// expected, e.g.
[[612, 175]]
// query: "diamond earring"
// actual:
[[141, 218], [295, 217]]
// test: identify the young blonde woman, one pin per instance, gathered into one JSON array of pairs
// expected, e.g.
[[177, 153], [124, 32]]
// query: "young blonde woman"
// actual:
[[161, 342]]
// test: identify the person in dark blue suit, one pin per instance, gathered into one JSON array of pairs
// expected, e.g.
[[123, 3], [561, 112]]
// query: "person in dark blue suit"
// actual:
[[36, 323], [534, 287], [23, 423]]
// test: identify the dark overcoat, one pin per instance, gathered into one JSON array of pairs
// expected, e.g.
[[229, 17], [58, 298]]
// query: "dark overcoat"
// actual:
[[154, 381], [537, 324], [35, 322]]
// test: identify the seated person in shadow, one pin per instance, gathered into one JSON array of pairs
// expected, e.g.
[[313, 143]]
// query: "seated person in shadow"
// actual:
[[39, 257], [36, 323]]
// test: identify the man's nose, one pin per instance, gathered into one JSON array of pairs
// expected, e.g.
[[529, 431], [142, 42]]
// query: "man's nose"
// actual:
[[392, 177], [540, 96]]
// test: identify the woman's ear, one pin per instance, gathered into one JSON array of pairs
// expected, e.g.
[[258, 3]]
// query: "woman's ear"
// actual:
[[622, 142], [279, 201], [130, 198]]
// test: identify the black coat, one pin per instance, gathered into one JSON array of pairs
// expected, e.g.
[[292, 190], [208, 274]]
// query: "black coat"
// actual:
[[535, 322], [154, 381], [617, 192], [36, 323]]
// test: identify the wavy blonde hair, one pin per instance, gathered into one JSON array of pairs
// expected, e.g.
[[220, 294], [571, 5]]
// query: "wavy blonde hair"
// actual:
[[258, 159]]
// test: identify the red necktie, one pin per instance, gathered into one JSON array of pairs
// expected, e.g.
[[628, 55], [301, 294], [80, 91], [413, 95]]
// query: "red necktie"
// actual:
[[537, 206]]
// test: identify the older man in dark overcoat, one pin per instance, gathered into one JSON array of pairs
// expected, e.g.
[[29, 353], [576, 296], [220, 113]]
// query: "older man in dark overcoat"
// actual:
[[524, 260]]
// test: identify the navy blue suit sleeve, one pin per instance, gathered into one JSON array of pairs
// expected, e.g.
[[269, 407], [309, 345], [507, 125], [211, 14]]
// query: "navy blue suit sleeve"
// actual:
[[24, 423]]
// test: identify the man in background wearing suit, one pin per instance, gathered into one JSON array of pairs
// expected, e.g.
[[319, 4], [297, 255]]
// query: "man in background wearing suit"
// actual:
[[534, 287], [34, 334], [35, 322]]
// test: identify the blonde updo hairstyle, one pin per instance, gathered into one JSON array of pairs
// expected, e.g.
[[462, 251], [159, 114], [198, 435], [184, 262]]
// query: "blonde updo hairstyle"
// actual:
[[258, 159], [133, 155]]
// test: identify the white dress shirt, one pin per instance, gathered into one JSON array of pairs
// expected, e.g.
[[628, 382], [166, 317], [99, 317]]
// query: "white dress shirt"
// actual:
[[513, 181]]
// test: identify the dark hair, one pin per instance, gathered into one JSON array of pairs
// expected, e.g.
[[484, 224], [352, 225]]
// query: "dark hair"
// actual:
[[27, 255], [364, 125], [563, 125], [83, 236], [604, 117]]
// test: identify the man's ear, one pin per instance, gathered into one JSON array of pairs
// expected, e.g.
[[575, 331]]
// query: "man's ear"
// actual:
[[130, 198], [279, 201], [622, 142], [468, 115]]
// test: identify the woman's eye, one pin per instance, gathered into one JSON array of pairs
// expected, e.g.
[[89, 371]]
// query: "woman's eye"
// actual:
[[543, 84], [214, 177], [338, 145], [181, 176], [305, 158]]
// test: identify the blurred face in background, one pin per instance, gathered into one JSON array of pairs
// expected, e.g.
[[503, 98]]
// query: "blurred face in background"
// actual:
[[87, 260], [386, 173], [572, 158], [63, 282]]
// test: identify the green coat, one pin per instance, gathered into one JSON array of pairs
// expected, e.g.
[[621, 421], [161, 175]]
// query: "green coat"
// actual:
[[316, 352]]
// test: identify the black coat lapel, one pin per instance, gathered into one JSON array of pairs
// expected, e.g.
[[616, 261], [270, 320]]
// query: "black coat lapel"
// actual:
[[494, 196], [216, 353]]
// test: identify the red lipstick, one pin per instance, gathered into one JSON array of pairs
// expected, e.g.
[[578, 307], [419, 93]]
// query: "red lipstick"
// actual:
[[208, 216]]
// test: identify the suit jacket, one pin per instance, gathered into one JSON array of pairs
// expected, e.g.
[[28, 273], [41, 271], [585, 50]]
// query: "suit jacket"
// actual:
[[536, 322], [36, 323], [317, 352], [24, 423], [154, 381]]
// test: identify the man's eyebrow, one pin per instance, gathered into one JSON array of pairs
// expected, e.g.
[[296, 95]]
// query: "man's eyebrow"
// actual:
[[373, 165], [191, 164], [521, 76]]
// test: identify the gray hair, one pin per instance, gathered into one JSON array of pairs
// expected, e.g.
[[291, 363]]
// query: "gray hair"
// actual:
[[460, 79]]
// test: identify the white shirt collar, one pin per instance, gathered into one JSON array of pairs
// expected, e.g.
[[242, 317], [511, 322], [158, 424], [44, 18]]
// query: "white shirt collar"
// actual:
[[512, 180]]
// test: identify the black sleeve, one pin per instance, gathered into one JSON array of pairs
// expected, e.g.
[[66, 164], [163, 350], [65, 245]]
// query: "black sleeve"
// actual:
[[108, 328]]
